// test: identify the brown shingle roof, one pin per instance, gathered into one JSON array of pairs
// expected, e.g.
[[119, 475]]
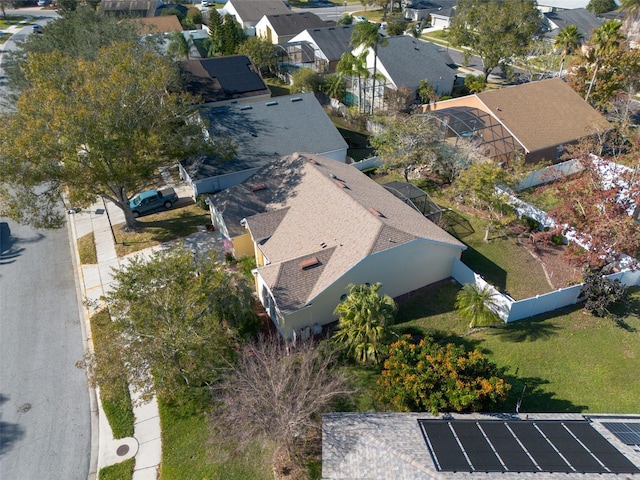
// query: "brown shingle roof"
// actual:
[[164, 24], [544, 113], [323, 216]]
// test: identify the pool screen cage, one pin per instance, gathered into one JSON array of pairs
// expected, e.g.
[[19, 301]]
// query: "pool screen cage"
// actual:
[[416, 198]]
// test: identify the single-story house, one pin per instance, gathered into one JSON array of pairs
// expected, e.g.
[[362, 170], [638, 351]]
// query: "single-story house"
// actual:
[[261, 131], [404, 62], [416, 10], [583, 19], [325, 225], [249, 12], [557, 5], [224, 80], [419, 446], [442, 18], [537, 118], [320, 48], [131, 8], [280, 28]]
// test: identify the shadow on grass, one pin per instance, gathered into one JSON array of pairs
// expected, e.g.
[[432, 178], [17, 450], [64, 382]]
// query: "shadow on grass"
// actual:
[[432, 300], [527, 331], [535, 398], [491, 272], [457, 225]]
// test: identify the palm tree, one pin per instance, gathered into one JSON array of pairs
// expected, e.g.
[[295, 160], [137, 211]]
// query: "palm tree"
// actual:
[[607, 39], [366, 35], [333, 86], [477, 304], [354, 66], [568, 39], [364, 317]]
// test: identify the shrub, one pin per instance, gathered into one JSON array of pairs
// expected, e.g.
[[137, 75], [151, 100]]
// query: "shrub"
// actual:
[[600, 293]]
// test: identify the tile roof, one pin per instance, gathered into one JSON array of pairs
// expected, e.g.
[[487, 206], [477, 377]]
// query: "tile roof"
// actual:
[[332, 41], [266, 130], [223, 78], [408, 61], [329, 210], [253, 10], [293, 23], [544, 113]]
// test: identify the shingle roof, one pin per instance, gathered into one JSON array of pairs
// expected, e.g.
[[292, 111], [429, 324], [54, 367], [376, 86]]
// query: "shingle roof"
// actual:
[[332, 41], [163, 24], [409, 61], [586, 21], [137, 8], [254, 10], [265, 130], [544, 113], [294, 23], [223, 78], [330, 207], [430, 6]]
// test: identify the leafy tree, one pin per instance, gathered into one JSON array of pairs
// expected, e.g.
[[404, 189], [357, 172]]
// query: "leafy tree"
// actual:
[[476, 186], [176, 315], [334, 86], [305, 80], [406, 141], [355, 67], [496, 30], [366, 35], [364, 319], [260, 51], [178, 45], [477, 305], [475, 83], [600, 292], [568, 40], [92, 129], [345, 19], [231, 35], [601, 6], [66, 6], [436, 378], [426, 92], [277, 395], [192, 19], [215, 32], [396, 25]]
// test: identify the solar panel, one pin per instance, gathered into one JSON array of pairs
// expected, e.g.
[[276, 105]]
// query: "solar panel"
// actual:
[[627, 433], [522, 446]]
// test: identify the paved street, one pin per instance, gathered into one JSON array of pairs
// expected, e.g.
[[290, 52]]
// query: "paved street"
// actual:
[[44, 400]]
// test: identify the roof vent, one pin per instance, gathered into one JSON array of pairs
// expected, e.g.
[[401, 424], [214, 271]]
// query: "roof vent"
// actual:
[[310, 263], [296, 99], [333, 175], [246, 107], [270, 104], [259, 186], [341, 184], [323, 245], [376, 212]]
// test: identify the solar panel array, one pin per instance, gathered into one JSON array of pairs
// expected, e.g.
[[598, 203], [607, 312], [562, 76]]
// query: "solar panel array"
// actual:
[[521, 446], [627, 433]]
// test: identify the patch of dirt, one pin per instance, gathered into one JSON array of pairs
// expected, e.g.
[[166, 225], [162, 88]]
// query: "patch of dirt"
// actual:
[[560, 273]]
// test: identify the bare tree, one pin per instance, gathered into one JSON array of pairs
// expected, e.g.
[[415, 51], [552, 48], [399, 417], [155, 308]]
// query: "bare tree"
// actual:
[[276, 395]]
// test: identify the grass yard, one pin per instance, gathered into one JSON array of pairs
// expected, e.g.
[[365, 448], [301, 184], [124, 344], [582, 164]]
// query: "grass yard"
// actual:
[[569, 360], [161, 227], [278, 87], [190, 451], [119, 471], [87, 249]]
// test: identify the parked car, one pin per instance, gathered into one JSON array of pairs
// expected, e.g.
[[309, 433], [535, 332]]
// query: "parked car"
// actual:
[[37, 28], [44, 3], [208, 3], [152, 200], [360, 19]]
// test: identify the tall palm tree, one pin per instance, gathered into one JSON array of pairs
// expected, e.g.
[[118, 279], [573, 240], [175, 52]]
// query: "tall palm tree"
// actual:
[[606, 39], [568, 39], [366, 35], [356, 67], [477, 304], [364, 318]]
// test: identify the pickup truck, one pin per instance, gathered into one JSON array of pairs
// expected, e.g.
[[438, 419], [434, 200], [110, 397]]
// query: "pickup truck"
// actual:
[[152, 200]]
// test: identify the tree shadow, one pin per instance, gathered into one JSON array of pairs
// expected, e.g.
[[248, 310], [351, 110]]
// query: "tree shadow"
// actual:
[[10, 433], [529, 330], [456, 224], [10, 245], [534, 398]]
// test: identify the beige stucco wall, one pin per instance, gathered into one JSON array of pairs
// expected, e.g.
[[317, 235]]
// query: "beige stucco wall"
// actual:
[[400, 270], [467, 101], [243, 245]]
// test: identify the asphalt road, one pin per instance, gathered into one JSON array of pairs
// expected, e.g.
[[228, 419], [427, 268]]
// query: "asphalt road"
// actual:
[[45, 430]]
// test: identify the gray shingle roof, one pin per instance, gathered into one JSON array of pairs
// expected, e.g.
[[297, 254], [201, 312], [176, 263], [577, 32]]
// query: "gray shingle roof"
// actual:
[[294, 23], [409, 61], [586, 21], [266, 130], [329, 207], [332, 41], [253, 10]]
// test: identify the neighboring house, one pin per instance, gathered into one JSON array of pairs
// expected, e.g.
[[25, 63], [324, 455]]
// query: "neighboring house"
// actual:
[[442, 18], [584, 20], [180, 10], [404, 62], [322, 225], [537, 118], [224, 80], [248, 12], [130, 8], [557, 5], [163, 25], [280, 28], [417, 10], [319, 48], [419, 446], [261, 132]]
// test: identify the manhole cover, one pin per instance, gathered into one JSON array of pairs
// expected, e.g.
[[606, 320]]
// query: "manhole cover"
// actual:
[[122, 450], [24, 408]]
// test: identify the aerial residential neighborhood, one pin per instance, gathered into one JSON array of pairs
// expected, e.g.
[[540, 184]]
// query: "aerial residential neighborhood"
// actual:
[[308, 239]]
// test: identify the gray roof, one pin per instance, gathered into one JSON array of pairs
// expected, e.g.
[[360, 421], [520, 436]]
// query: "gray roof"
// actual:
[[265, 130], [294, 23], [332, 41], [429, 5], [586, 21], [252, 11], [134, 8], [391, 446], [409, 61]]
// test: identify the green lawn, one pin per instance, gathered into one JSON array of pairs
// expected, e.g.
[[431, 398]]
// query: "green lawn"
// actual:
[[569, 360]]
